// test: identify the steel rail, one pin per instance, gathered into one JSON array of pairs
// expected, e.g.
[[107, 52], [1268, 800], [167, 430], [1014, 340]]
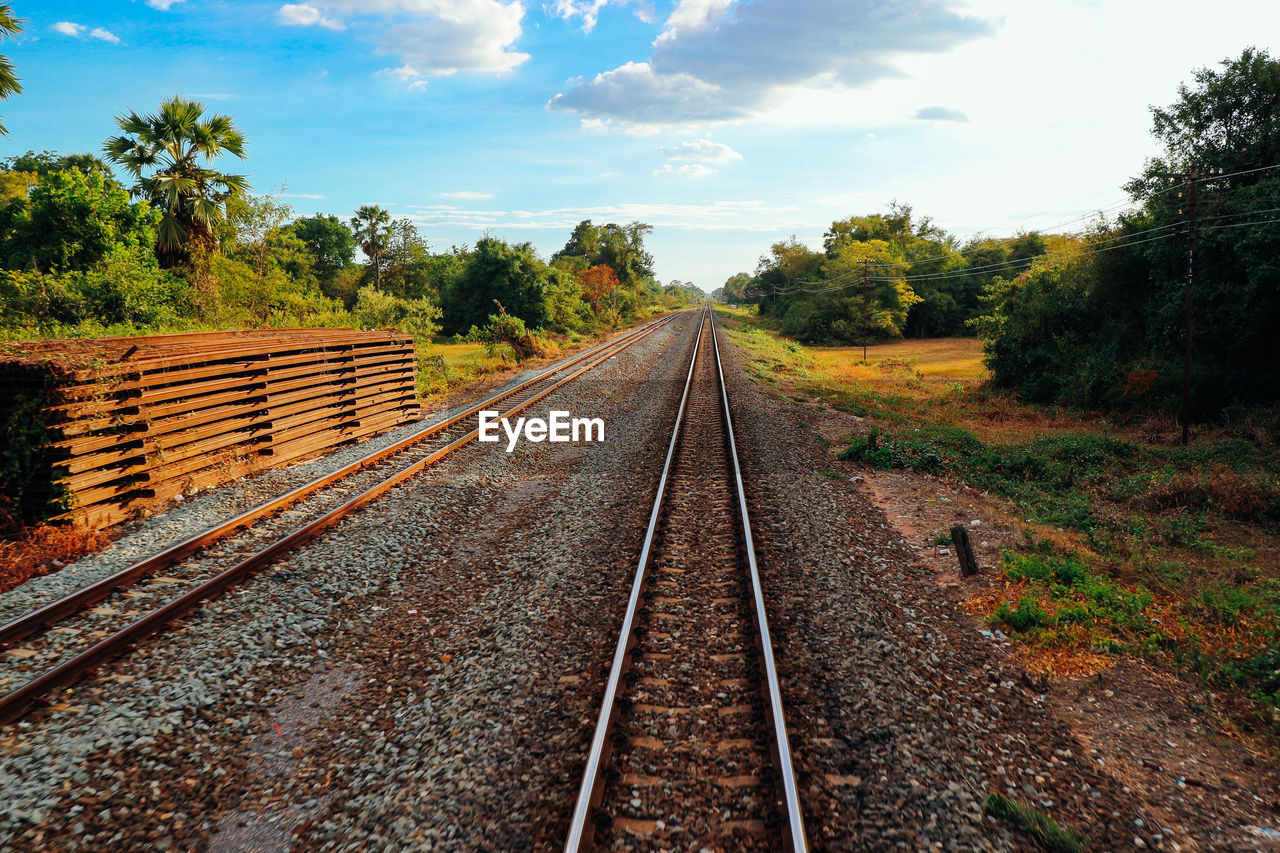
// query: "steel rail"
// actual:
[[23, 699], [50, 614], [781, 745], [589, 791]]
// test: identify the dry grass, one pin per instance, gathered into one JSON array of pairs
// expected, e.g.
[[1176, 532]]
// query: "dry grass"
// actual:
[[45, 549], [953, 359]]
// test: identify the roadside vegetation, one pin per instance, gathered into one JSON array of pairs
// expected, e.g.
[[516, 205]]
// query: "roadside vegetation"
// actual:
[[1067, 406], [151, 235], [1098, 316], [1131, 543]]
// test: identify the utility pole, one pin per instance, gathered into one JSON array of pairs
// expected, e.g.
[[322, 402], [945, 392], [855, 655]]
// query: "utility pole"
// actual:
[[1191, 181], [866, 305]]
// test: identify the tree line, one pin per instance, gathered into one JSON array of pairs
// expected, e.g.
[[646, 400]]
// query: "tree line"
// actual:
[[880, 276], [185, 245], [1186, 280]]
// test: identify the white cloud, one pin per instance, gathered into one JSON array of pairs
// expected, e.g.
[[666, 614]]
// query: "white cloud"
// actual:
[[719, 60], [304, 15], [711, 216], [688, 170], [433, 38], [634, 93], [70, 28], [692, 16], [163, 5], [467, 194], [304, 195], [703, 151], [589, 10], [937, 113]]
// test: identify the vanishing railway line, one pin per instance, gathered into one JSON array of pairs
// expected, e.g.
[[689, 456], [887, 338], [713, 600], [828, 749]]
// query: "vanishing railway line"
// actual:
[[690, 749], [262, 535]]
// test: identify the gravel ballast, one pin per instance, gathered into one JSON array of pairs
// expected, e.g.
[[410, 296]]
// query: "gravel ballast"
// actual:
[[418, 720], [426, 674]]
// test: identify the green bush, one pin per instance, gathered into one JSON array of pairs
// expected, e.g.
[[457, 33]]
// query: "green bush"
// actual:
[[375, 309], [1027, 617]]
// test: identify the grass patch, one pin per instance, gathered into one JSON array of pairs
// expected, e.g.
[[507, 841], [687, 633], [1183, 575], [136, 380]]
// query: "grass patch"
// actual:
[[444, 364], [1065, 604], [1042, 828]]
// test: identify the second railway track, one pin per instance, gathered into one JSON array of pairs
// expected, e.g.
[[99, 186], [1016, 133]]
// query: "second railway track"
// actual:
[[690, 751], [261, 535]]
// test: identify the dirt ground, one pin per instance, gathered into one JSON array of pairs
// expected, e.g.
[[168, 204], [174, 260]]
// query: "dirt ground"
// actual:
[[1158, 734]]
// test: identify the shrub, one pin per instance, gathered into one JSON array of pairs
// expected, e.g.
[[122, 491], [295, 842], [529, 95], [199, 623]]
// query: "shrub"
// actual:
[[376, 309], [1026, 617], [505, 331]]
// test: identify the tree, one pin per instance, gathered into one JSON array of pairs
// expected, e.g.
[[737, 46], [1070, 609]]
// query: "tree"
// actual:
[[16, 184], [600, 290], [1230, 122], [48, 162], [377, 310], [735, 288], [512, 275], [329, 241], [168, 153], [1224, 128], [372, 227], [566, 309], [1108, 329], [70, 221], [9, 84], [782, 274], [619, 247], [622, 249], [583, 243], [407, 260]]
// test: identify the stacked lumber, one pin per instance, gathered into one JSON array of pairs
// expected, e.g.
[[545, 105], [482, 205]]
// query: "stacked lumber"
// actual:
[[134, 421]]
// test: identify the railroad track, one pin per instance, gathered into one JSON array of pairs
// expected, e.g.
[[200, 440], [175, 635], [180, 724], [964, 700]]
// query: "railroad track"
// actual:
[[302, 514], [690, 749]]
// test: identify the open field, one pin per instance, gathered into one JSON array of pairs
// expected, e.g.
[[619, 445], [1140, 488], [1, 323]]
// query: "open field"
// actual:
[[954, 359]]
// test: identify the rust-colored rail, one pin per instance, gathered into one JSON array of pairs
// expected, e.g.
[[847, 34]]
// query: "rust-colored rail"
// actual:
[[23, 699]]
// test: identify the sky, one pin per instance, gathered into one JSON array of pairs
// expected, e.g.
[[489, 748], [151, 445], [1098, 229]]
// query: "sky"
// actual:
[[727, 125]]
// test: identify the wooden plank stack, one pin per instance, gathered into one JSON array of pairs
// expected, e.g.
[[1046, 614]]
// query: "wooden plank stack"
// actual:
[[136, 421]]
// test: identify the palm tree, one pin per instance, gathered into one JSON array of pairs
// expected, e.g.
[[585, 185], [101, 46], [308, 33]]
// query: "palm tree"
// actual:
[[9, 85], [372, 226], [168, 155]]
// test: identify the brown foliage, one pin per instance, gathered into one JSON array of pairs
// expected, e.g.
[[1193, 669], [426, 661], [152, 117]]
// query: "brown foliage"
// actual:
[[1218, 487], [599, 288], [43, 550]]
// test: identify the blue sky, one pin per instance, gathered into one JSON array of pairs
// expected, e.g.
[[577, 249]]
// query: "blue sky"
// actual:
[[725, 124]]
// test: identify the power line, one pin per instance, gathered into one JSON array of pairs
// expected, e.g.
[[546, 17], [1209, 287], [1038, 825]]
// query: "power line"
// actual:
[[1022, 264], [1050, 228]]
